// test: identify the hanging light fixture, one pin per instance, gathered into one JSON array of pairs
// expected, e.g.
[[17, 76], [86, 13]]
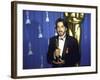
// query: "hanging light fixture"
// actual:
[[27, 18], [47, 16], [41, 61], [40, 32], [30, 49]]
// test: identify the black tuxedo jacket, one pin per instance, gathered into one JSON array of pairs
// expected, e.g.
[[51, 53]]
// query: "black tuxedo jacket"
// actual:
[[70, 54]]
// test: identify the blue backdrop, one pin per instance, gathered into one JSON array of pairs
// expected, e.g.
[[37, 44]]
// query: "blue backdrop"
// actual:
[[38, 27]]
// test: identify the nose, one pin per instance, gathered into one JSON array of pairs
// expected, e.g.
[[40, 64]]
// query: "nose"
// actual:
[[59, 29]]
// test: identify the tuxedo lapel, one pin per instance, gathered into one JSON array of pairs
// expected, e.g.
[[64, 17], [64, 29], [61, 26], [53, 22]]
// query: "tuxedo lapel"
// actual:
[[65, 46]]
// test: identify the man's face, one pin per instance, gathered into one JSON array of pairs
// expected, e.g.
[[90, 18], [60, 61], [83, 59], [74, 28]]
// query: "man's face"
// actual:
[[60, 29]]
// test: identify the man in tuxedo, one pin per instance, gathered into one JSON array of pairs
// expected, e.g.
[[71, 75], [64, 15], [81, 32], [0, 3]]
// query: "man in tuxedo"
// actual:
[[63, 50]]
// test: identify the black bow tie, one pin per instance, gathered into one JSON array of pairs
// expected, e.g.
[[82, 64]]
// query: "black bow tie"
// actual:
[[61, 38]]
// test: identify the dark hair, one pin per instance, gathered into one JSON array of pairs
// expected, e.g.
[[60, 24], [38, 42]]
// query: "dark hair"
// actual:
[[61, 20]]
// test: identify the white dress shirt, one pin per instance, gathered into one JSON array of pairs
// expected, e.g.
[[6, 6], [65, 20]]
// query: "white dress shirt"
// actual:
[[61, 44]]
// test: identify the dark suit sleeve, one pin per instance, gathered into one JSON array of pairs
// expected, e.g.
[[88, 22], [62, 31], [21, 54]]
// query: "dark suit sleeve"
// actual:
[[75, 52], [50, 55], [73, 57]]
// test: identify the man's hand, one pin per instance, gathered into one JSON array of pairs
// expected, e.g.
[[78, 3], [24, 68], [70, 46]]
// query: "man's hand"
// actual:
[[59, 62], [57, 52]]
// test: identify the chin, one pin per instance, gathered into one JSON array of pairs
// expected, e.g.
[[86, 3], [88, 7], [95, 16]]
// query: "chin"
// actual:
[[60, 34]]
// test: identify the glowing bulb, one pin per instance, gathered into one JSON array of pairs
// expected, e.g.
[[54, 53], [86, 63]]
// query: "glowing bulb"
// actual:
[[47, 17], [28, 21], [27, 18], [40, 33], [30, 49], [41, 61]]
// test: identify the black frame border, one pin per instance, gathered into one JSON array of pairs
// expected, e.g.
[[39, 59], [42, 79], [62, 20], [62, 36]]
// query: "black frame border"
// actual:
[[14, 37]]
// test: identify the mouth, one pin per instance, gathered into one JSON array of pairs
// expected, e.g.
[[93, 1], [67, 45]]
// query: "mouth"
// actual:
[[60, 32]]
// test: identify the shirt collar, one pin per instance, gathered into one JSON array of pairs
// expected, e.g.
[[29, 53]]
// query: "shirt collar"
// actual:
[[62, 37]]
